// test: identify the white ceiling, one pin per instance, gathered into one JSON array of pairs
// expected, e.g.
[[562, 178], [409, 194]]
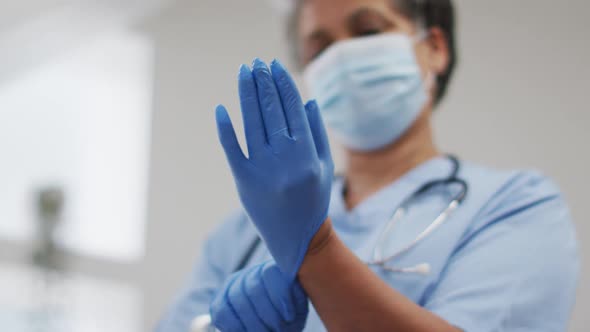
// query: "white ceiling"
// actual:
[[33, 32], [13, 12], [282, 6]]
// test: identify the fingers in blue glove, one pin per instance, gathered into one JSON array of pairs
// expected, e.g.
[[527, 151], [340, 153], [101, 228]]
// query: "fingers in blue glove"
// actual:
[[300, 300], [253, 123], [244, 305], [269, 100], [223, 316], [260, 295], [318, 130], [292, 299], [260, 299], [228, 139], [279, 291], [291, 101]]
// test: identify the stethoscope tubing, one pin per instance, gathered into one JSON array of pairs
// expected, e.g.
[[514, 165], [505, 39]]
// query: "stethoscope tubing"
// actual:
[[398, 214], [377, 259], [203, 323]]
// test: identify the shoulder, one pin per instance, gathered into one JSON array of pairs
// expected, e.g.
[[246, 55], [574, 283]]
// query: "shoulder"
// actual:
[[523, 210], [505, 182], [228, 240], [522, 230], [231, 226], [502, 194]]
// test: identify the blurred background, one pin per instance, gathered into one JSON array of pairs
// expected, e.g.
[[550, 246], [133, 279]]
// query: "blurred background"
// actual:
[[110, 171]]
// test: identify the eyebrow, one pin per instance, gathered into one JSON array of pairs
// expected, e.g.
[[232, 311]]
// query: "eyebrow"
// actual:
[[361, 13], [351, 22], [319, 34]]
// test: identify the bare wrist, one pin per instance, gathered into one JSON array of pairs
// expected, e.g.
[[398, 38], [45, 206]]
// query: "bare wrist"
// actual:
[[320, 249], [321, 239]]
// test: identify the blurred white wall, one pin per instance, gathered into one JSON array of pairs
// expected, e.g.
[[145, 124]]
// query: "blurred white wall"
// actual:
[[199, 47], [518, 100]]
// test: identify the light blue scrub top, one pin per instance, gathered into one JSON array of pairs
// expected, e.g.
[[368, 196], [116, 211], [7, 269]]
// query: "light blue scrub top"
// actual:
[[505, 260]]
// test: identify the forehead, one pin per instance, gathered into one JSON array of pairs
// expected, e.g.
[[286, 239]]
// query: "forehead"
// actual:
[[323, 14]]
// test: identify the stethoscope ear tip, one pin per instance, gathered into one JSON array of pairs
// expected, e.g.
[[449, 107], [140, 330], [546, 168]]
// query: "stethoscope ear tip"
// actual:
[[423, 269], [202, 324]]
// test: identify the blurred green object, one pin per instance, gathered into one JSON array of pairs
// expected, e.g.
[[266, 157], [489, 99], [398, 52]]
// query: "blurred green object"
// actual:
[[50, 203]]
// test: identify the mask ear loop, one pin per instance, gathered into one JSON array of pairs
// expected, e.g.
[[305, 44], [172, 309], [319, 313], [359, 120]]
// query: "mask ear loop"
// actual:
[[429, 80], [421, 35]]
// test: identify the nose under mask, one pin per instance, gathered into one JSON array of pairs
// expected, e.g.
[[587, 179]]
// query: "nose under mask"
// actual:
[[370, 90]]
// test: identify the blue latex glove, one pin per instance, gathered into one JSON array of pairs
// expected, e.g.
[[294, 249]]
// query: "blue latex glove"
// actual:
[[285, 183], [260, 299]]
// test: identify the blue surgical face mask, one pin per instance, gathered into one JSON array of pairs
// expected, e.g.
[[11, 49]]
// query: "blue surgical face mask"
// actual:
[[370, 90]]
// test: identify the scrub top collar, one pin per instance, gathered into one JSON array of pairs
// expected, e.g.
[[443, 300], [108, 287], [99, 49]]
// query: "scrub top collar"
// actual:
[[387, 199]]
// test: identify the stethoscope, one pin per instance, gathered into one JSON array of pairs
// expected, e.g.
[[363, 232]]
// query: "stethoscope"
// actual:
[[378, 258], [381, 260], [203, 323]]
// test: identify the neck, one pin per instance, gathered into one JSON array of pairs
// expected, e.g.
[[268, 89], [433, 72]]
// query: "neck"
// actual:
[[368, 172]]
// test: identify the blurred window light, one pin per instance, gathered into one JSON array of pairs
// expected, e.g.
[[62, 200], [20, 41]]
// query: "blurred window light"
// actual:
[[81, 123], [31, 301]]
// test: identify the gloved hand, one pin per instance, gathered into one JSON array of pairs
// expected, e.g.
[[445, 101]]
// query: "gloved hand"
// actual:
[[260, 299], [285, 183]]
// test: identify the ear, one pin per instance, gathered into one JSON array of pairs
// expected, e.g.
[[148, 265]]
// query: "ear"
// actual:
[[439, 52]]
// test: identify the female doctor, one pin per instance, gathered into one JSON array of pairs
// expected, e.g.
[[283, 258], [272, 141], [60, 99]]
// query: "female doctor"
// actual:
[[407, 239]]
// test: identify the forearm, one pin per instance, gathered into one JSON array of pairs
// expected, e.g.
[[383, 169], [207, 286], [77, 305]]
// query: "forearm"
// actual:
[[348, 296]]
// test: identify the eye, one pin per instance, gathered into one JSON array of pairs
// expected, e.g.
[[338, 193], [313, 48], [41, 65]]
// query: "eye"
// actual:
[[316, 51], [369, 32], [369, 22]]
